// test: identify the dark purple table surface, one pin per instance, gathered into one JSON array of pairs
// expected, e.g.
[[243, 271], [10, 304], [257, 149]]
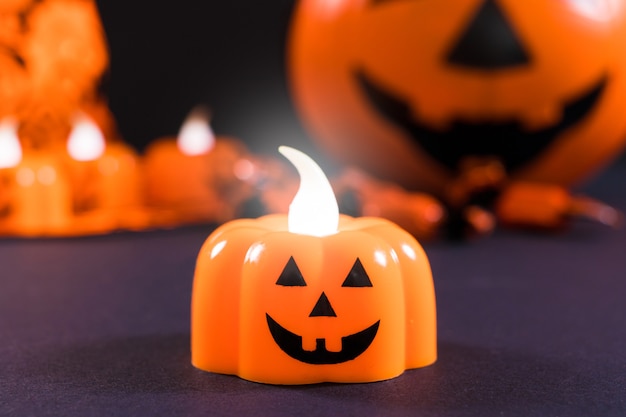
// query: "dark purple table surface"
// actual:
[[529, 325]]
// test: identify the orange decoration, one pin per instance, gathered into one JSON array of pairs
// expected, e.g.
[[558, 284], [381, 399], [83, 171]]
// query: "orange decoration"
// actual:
[[55, 54], [418, 213], [65, 50], [197, 177], [14, 6], [14, 86], [52, 56], [35, 197], [549, 206], [312, 296], [41, 197], [106, 180], [409, 89]]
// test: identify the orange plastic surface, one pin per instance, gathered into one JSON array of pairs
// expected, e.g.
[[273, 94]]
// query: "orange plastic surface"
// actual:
[[253, 316]]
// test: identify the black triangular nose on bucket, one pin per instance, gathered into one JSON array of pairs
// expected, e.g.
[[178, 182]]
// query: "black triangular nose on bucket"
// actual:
[[323, 308], [489, 42]]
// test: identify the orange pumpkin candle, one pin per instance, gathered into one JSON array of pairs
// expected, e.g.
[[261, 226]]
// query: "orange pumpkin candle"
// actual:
[[193, 177], [312, 296], [35, 187], [106, 180]]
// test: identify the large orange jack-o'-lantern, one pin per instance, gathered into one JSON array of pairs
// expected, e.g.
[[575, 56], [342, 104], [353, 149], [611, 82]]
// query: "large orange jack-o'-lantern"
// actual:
[[408, 89]]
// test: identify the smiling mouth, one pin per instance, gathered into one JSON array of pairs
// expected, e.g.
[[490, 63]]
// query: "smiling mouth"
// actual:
[[508, 140], [351, 346]]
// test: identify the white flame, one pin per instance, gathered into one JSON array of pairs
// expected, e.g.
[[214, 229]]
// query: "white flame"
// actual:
[[10, 148], [314, 209], [196, 136], [86, 141]]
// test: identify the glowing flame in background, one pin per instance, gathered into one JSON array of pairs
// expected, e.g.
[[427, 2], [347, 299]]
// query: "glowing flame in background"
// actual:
[[86, 141], [196, 136], [314, 210], [10, 148]]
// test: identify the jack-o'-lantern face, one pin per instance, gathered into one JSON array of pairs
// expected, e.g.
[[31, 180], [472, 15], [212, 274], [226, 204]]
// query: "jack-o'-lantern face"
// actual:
[[351, 346], [272, 306], [321, 311], [408, 88]]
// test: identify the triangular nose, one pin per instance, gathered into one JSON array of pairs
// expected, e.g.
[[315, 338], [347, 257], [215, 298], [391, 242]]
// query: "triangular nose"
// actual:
[[323, 308], [489, 42]]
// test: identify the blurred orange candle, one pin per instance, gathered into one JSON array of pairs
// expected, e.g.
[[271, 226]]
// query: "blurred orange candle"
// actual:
[[194, 177], [35, 191], [106, 178]]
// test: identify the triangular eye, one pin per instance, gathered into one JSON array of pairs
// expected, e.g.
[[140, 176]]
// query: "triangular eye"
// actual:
[[357, 277], [291, 275]]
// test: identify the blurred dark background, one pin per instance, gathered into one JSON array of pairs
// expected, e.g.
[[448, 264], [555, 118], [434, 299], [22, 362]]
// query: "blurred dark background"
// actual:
[[168, 57]]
